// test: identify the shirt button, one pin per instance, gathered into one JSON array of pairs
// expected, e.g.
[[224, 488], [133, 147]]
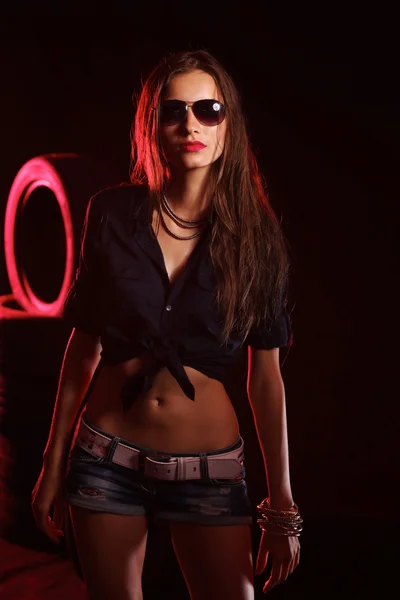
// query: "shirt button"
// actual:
[[168, 307]]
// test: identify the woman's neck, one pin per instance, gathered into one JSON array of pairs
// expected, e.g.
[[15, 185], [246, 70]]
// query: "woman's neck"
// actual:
[[187, 194]]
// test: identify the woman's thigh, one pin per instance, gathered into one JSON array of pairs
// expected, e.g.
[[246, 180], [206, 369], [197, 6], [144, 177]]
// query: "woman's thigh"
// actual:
[[94, 483], [109, 512], [111, 549], [216, 561]]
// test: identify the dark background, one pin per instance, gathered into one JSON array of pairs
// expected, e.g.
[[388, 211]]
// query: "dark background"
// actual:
[[319, 88]]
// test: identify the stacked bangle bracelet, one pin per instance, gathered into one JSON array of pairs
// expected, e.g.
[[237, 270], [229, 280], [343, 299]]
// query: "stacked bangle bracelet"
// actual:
[[279, 522]]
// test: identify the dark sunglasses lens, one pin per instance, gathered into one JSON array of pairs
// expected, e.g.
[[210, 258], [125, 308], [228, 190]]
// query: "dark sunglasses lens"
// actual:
[[209, 112], [172, 112]]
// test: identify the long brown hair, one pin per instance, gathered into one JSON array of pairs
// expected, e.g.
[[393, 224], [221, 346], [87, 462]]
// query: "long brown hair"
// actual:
[[248, 248]]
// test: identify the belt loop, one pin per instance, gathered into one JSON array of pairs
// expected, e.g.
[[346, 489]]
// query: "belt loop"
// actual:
[[180, 468], [203, 465], [111, 449]]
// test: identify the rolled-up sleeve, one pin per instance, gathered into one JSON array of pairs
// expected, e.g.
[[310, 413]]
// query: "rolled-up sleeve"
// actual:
[[274, 335], [85, 302]]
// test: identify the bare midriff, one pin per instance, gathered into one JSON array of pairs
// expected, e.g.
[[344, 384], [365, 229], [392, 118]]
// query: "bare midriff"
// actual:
[[164, 419]]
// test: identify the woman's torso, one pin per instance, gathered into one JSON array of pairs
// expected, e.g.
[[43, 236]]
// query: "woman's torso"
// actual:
[[164, 418]]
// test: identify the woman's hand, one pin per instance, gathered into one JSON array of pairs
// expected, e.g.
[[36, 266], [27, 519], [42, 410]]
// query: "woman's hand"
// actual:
[[285, 552], [47, 494]]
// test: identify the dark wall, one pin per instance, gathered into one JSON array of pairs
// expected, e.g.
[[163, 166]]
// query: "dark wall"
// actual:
[[319, 94]]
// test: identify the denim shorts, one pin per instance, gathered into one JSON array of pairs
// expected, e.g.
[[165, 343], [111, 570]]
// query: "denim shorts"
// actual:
[[98, 485]]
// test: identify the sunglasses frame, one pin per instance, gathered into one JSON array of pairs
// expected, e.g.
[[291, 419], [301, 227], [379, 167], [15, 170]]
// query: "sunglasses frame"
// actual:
[[191, 105]]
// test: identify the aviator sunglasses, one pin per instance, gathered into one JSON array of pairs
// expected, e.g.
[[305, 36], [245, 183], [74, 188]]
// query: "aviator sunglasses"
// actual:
[[207, 112]]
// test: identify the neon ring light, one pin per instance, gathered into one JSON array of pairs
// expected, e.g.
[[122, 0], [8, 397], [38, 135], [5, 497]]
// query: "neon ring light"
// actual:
[[37, 172]]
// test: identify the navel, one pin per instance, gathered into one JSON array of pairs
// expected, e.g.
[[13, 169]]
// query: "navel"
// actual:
[[157, 401]]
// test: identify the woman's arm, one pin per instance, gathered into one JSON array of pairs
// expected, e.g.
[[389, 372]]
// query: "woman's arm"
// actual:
[[266, 394], [81, 358]]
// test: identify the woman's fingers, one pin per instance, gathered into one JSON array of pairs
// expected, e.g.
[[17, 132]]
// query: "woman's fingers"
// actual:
[[275, 576], [53, 532], [261, 563], [48, 527], [58, 514], [45, 523], [287, 568], [45, 496]]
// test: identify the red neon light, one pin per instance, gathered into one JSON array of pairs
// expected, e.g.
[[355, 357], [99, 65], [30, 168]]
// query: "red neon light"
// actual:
[[37, 172]]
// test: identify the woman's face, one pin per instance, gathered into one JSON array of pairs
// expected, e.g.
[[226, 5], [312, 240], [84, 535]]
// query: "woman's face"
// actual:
[[190, 87]]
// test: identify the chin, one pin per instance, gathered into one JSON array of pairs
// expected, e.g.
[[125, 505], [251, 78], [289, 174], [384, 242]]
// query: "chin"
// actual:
[[193, 166], [197, 162], [188, 165]]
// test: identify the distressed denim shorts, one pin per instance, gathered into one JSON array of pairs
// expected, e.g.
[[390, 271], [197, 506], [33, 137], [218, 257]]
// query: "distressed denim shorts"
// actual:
[[98, 485]]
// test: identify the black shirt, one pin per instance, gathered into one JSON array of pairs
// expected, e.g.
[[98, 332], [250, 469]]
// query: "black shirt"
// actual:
[[122, 293]]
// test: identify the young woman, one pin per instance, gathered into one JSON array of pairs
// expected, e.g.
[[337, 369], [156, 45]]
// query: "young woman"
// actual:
[[179, 271]]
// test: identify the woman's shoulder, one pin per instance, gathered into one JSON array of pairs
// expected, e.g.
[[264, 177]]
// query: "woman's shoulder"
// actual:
[[117, 208], [119, 200]]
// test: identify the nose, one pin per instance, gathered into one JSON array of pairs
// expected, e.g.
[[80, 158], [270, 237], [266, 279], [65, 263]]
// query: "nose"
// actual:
[[190, 121]]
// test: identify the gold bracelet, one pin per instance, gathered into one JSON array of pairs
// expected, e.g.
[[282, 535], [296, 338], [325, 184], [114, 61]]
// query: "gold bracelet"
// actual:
[[265, 505], [283, 527], [289, 521], [285, 520], [288, 533]]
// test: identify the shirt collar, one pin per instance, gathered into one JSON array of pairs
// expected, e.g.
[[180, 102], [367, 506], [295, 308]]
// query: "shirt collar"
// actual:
[[142, 215]]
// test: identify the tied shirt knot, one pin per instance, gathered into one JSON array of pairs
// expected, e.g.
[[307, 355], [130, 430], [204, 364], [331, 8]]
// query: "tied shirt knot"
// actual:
[[165, 355]]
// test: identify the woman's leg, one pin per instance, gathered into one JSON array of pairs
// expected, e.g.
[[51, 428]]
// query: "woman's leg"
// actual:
[[108, 506], [111, 551], [216, 561]]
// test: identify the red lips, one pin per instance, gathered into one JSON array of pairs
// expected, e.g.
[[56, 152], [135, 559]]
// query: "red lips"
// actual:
[[193, 145]]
